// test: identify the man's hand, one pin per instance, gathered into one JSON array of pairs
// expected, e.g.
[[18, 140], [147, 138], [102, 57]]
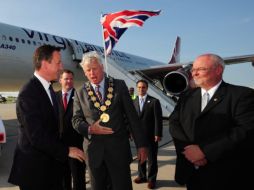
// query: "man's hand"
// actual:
[[76, 153], [97, 129], [200, 162], [194, 154], [142, 154], [157, 139]]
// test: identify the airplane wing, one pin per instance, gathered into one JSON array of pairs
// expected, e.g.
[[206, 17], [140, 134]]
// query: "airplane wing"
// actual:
[[176, 77], [239, 59]]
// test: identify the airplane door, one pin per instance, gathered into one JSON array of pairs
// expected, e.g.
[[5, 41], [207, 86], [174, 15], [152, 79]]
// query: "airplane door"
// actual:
[[77, 50]]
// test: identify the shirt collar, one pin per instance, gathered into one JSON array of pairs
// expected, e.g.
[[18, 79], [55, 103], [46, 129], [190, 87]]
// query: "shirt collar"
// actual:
[[68, 92], [143, 97], [101, 85], [43, 81], [212, 90]]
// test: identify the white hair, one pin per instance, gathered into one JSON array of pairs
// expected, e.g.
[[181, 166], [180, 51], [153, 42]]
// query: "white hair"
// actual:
[[220, 61], [89, 57], [216, 58]]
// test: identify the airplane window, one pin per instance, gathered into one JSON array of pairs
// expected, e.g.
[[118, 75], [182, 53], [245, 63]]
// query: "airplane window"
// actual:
[[23, 41], [17, 40], [10, 38], [28, 41], [34, 42], [3, 37]]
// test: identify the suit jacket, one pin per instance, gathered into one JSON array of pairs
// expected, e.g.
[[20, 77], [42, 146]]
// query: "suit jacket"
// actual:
[[223, 130], [68, 134], [39, 154], [116, 145], [150, 116]]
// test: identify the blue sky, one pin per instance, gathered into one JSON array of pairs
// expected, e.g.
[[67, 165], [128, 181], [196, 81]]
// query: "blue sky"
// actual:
[[220, 26]]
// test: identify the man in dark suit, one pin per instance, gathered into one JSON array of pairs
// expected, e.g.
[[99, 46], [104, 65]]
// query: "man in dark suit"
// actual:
[[150, 113], [100, 109], [74, 171], [212, 127], [39, 154]]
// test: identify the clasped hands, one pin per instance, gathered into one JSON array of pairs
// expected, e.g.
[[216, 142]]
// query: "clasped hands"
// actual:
[[195, 155]]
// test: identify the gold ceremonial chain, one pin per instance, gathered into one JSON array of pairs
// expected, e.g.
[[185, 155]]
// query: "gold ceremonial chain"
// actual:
[[102, 107]]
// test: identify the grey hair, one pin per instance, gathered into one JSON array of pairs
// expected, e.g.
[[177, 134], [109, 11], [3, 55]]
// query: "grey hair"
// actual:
[[217, 59], [89, 56]]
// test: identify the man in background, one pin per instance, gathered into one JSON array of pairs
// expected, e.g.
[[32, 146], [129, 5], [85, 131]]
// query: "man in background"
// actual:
[[132, 94], [74, 171], [150, 114]]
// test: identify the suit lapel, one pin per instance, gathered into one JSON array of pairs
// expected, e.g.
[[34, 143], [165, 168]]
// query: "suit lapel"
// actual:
[[60, 99], [136, 105], [70, 100], [196, 100], [216, 98], [147, 101], [44, 98], [106, 88], [86, 98], [42, 91]]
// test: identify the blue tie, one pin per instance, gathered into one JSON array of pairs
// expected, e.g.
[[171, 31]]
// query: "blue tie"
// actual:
[[141, 104]]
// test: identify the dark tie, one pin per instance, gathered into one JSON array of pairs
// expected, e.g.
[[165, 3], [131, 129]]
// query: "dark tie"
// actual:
[[53, 98], [65, 103], [98, 93]]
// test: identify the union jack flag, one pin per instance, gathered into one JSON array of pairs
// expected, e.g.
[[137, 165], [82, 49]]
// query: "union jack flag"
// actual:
[[115, 24]]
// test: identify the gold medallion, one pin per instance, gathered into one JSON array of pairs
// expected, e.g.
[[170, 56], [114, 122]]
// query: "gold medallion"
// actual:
[[109, 96], [93, 98], [97, 104], [90, 92], [110, 89], [107, 102], [103, 108], [104, 117]]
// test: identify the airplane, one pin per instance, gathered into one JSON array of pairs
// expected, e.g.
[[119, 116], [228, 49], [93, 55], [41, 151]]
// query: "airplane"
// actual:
[[166, 81]]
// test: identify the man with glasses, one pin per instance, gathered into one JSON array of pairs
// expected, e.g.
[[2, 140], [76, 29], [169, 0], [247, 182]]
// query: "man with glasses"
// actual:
[[212, 128]]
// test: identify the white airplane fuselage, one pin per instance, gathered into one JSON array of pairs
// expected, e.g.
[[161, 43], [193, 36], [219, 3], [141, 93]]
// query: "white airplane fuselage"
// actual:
[[18, 44]]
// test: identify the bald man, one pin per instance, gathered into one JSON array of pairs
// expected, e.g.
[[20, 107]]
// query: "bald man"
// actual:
[[212, 128]]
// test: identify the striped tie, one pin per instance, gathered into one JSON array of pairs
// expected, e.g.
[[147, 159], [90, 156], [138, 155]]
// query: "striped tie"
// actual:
[[98, 93]]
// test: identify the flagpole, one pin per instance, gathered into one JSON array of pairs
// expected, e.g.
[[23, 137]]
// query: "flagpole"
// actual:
[[105, 53]]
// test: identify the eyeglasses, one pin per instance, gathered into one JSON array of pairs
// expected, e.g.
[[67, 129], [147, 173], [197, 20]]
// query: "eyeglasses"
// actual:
[[201, 69]]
